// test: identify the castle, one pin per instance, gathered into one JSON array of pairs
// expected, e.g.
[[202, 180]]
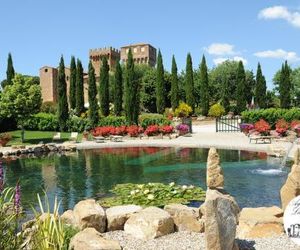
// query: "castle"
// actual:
[[142, 54]]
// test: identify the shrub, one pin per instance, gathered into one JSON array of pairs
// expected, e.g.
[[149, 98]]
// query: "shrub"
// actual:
[[78, 124], [167, 129], [183, 110], [103, 131], [246, 127], [295, 124], [115, 121], [152, 130], [183, 128], [281, 127], [43, 122], [262, 127], [146, 120], [120, 130], [216, 110], [4, 138], [134, 130], [49, 107]]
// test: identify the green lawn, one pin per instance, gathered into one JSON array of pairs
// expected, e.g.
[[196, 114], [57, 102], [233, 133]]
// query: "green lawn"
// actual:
[[34, 137]]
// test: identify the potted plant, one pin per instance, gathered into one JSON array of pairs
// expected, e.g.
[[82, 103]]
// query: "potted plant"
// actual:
[[262, 127], [184, 112], [4, 139], [282, 127]]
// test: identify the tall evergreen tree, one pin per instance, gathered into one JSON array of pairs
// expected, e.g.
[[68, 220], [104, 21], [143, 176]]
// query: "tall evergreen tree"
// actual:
[[72, 90], [189, 82], [249, 85], [240, 89], [160, 85], [204, 88], [131, 92], [260, 88], [285, 86], [63, 114], [79, 89], [225, 101], [174, 85], [118, 90], [104, 87], [92, 93], [10, 72]]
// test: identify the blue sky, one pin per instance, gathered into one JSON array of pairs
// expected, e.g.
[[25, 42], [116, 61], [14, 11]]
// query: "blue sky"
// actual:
[[37, 32]]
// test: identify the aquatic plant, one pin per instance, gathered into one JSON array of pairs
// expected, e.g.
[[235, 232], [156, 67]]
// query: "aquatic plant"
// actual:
[[153, 194]]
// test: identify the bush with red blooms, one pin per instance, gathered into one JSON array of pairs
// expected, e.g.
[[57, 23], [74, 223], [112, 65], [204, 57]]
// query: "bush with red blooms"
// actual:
[[122, 130], [295, 124], [134, 130], [166, 129], [152, 130], [281, 127], [103, 131], [262, 127]]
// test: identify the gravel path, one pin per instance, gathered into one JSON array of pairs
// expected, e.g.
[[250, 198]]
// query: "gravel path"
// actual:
[[195, 241]]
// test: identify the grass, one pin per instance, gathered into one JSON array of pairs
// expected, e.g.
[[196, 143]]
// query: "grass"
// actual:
[[34, 137]]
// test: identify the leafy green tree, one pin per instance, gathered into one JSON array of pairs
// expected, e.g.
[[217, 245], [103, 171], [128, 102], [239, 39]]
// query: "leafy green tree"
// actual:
[[72, 90], [241, 90], [104, 87], [174, 85], [118, 90], [260, 88], [131, 92], [148, 90], [249, 86], [92, 93], [79, 89], [10, 72], [62, 110], [285, 86], [189, 82], [20, 100], [160, 85], [204, 87]]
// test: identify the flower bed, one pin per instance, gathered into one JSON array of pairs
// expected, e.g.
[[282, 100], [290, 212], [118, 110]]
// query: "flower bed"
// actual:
[[262, 127], [282, 127]]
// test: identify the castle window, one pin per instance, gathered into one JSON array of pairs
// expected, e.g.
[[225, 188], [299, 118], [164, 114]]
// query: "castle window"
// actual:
[[127, 50], [46, 70], [143, 49], [134, 50]]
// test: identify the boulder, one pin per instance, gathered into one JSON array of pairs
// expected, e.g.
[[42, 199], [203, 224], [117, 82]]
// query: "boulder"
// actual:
[[260, 222], [88, 213], [118, 215], [221, 219], [149, 223], [186, 218], [291, 188], [68, 217], [214, 174], [90, 239]]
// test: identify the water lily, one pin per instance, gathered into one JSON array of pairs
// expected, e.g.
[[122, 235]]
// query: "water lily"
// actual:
[[137, 190], [140, 186], [171, 184], [174, 192], [150, 197], [146, 191], [191, 186], [184, 187], [132, 192]]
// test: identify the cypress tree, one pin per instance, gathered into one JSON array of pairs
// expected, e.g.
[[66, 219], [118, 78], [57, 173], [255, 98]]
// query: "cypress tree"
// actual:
[[225, 95], [249, 85], [62, 96], [260, 88], [118, 90], [240, 89], [160, 85], [72, 90], [131, 92], [10, 72], [79, 89], [189, 82], [92, 93], [104, 87], [285, 86], [204, 88], [174, 85]]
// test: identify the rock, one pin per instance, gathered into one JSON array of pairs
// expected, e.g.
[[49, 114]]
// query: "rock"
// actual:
[[88, 213], [221, 218], [150, 223], [68, 218], [260, 222], [90, 239], [118, 215], [186, 218], [214, 174], [291, 188]]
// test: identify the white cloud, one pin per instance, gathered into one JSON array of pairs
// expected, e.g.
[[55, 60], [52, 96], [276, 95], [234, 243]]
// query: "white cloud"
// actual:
[[281, 12], [220, 60], [278, 54], [220, 49]]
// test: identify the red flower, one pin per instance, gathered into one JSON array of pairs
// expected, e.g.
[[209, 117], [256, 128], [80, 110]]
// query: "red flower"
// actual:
[[281, 126], [166, 129], [262, 127], [133, 130], [152, 130]]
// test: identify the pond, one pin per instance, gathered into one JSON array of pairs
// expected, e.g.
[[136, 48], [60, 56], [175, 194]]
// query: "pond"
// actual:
[[252, 178]]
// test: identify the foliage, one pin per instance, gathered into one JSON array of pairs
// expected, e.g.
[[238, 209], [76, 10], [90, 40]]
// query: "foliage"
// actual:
[[216, 110], [160, 85], [262, 127], [118, 90], [249, 86], [10, 71], [4, 138], [104, 87], [204, 88], [260, 89], [148, 90], [183, 110], [246, 127], [281, 127], [42, 122], [183, 128], [49, 107], [285, 86], [166, 129], [153, 194], [295, 124], [146, 120], [63, 113], [72, 90], [103, 131], [78, 124], [174, 85], [189, 82], [152, 130], [134, 130], [92, 95], [240, 89], [79, 89], [115, 121]]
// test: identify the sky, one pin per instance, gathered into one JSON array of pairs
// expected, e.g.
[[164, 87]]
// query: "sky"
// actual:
[[38, 32]]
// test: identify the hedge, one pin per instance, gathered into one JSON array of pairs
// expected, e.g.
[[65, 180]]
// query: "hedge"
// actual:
[[146, 120], [271, 115]]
